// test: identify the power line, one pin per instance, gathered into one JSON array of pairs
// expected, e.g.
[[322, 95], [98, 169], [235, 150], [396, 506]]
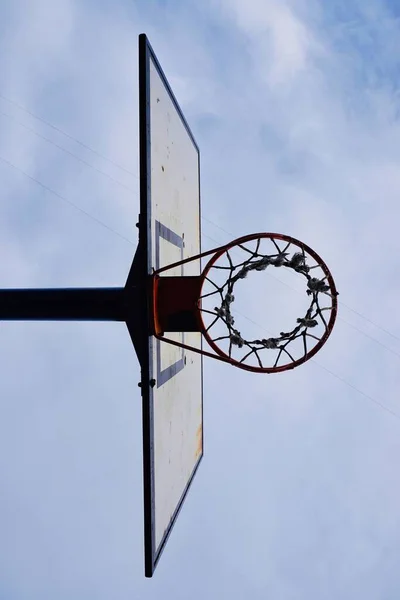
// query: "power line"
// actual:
[[338, 316], [368, 396], [136, 193], [341, 302], [64, 199], [374, 400], [43, 137], [71, 137], [372, 323]]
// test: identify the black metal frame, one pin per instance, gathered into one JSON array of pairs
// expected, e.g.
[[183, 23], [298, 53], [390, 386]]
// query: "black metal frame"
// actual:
[[77, 304]]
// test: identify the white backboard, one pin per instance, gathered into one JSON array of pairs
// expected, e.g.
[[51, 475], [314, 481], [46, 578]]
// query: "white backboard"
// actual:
[[173, 403]]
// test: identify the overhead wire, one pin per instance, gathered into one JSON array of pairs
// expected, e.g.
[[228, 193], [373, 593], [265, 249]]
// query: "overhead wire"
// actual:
[[326, 369], [78, 158], [135, 192], [104, 225], [64, 199], [368, 396], [339, 317], [71, 137], [341, 302], [130, 189]]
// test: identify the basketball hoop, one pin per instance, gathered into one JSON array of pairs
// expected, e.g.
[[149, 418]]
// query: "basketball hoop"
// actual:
[[178, 303]]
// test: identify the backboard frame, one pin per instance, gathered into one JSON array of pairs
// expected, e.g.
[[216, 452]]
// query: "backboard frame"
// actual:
[[140, 271]]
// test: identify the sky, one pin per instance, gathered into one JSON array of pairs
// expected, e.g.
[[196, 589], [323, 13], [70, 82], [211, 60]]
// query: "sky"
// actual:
[[295, 106]]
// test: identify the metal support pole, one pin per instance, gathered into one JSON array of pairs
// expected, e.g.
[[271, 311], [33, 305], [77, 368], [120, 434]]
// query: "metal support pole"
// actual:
[[71, 304]]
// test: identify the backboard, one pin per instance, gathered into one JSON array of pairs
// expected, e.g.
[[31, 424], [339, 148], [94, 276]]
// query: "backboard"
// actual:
[[169, 230]]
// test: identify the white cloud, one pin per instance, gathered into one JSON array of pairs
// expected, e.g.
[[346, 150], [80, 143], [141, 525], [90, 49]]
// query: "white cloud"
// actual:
[[299, 132], [283, 45]]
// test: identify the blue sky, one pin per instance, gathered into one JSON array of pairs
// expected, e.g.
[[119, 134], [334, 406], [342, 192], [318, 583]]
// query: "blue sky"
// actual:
[[295, 106]]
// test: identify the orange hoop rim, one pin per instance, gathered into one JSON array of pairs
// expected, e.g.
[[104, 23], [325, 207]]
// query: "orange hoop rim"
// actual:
[[221, 354]]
